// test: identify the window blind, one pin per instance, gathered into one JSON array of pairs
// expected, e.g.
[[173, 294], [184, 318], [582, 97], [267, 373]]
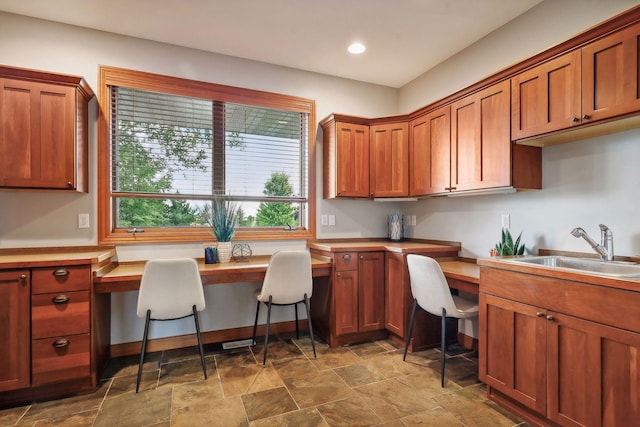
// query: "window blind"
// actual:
[[175, 147]]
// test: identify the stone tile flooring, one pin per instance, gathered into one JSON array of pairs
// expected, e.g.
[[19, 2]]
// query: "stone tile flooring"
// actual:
[[359, 385]]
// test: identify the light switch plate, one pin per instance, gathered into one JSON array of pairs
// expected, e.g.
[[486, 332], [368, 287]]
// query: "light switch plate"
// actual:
[[332, 220], [324, 220], [506, 222], [83, 220]]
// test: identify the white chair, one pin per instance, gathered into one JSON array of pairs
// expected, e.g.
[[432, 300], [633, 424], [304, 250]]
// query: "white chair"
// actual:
[[170, 289], [287, 282], [431, 293]]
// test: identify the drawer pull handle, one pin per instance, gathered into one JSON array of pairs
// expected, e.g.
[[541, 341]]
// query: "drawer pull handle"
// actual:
[[346, 257], [61, 272], [60, 299], [539, 314], [61, 343], [550, 317]]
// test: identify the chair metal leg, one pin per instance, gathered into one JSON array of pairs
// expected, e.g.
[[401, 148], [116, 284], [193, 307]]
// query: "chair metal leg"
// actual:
[[195, 317], [295, 307], [255, 324], [144, 348], [443, 346], [313, 344], [266, 336], [410, 332]]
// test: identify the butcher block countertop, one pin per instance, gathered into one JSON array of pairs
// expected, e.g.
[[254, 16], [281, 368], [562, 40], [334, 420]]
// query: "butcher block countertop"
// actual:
[[52, 256], [414, 246]]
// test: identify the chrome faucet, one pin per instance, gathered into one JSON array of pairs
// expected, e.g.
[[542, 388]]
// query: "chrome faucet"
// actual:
[[605, 248]]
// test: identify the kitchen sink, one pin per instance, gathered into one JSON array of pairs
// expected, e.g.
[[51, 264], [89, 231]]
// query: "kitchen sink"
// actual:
[[586, 265]]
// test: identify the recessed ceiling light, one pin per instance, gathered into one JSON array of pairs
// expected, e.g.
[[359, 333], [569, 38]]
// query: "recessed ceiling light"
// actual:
[[356, 48]]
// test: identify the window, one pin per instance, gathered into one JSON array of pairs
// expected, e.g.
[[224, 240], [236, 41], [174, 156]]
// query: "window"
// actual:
[[169, 146]]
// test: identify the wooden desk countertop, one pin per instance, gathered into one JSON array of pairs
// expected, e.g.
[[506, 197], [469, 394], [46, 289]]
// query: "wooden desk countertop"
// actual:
[[126, 276], [48, 257], [369, 245]]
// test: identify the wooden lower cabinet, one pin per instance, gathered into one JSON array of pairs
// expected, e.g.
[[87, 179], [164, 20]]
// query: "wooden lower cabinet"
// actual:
[[399, 305], [348, 306], [15, 291], [54, 346], [553, 368]]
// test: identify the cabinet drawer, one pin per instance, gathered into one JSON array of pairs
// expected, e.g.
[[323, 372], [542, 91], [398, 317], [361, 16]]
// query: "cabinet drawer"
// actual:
[[60, 359], [58, 279], [346, 261], [59, 314]]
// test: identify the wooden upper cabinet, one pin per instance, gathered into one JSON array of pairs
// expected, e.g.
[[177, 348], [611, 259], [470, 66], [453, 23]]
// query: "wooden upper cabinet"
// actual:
[[546, 98], [389, 150], [345, 158], [480, 140], [611, 75], [43, 130], [430, 153], [599, 81]]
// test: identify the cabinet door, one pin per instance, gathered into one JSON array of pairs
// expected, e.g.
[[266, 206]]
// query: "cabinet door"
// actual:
[[371, 291], [352, 152], [37, 137], [610, 75], [547, 97], [389, 172], [593, 373], [481, 140], [513, 349], [397, 302], [14, 329], [430, 153], [345, 294]]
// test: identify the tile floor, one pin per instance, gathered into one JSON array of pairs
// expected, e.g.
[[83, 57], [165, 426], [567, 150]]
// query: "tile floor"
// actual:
[[359, 385]]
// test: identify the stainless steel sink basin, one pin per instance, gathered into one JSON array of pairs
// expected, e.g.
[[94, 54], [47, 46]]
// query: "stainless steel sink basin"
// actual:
[[585, 265]]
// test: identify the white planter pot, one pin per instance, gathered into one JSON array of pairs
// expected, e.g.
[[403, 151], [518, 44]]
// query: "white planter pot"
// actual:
[[224, 251]]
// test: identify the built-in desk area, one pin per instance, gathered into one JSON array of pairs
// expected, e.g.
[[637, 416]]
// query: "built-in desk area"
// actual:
[[126, 276], [369, 270]]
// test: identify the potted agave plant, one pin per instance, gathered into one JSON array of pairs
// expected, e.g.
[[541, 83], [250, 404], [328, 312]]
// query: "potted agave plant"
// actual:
[[506, 246], [222, 216]]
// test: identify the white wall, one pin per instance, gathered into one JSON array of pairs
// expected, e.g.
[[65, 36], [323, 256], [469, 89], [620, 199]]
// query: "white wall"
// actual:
[[585, 182], [26, 218], [30, 219]]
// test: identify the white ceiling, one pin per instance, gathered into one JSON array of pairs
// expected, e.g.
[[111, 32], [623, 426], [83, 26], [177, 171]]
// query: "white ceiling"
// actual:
[[404, 38]]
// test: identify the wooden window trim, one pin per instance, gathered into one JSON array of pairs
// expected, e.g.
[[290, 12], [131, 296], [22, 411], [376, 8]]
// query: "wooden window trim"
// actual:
[[113, 76]]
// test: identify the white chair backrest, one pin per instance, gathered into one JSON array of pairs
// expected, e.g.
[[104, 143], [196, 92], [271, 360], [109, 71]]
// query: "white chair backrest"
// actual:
[[288, 277], [429, 286], [170, 288]]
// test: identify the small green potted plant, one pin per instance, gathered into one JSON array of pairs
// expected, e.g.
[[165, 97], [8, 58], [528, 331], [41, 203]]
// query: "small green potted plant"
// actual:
[[506, 246], [222, 216]]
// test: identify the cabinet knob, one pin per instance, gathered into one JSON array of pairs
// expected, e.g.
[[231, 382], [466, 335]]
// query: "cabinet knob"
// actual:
[[61, 343], [586, 117], [61, 272], [60, 299], [550, 317], [575, 120], [539, 314], [346, 257], [361, 256]]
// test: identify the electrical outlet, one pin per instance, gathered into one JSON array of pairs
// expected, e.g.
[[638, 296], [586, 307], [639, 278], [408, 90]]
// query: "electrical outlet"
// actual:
[[324, 220], [506, 222], [83, 220], [332, 220]]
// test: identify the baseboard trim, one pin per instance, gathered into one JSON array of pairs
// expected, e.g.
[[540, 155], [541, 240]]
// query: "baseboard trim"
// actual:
[[170, 343], [467, 341]]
